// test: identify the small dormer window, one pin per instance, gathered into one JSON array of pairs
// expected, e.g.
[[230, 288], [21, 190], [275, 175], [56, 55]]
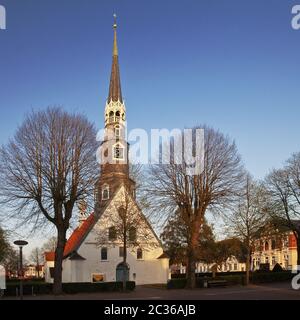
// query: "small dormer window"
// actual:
[[105, 192], [118, 152]]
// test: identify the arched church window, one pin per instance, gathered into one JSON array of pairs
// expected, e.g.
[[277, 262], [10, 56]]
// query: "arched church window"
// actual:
[[117, 116], [139, 254], [103, 253], [118, 152], [111, 117], [117, 132], [105, 192], [123, 116]]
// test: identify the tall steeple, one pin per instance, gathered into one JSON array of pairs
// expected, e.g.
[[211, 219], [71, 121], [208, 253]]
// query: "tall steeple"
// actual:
[[114, 147], [115, 93]]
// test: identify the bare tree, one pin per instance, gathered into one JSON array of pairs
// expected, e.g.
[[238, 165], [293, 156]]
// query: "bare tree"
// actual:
[[49, 245], [171, 188], [126, 226], [4, 245], [247, 218], [48, 167], [284, 197], [37, 257]]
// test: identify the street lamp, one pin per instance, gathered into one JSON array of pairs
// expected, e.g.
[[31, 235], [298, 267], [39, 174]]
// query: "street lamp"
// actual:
[[21, 244]]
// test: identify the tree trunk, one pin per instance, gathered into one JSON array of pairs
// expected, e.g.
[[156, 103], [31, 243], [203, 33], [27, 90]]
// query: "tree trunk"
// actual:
[[38, 265], [190, 270], [247, 268], [125, 263], [298, 251], [59, 254], [191, 263]]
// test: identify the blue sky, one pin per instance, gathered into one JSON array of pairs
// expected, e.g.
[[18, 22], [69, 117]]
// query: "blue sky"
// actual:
[[231, 64]]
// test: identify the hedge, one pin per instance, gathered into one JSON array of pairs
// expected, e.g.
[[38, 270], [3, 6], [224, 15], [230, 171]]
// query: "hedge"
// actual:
[[264, 277], [70, 288], [208, 274], [235, 279]]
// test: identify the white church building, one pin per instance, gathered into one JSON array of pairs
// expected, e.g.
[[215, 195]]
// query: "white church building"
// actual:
[[94, 252]]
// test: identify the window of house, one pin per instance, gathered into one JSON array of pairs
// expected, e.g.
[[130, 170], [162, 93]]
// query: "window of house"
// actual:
[[118, 152], [273, 244], [121, 252], [104, 254], [235, 267], [273, 261], [132, 234], [51, 270], [112, 234], [266, 246], [105, 192], [139, 254]]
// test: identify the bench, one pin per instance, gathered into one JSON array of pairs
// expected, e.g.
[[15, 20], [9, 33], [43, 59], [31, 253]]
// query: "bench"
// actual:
[[217, 283]]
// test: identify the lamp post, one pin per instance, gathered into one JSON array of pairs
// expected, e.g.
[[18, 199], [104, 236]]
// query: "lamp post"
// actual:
[[21, 244]]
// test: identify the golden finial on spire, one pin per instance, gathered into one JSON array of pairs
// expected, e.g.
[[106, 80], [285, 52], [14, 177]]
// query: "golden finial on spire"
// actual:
[[115, 49]]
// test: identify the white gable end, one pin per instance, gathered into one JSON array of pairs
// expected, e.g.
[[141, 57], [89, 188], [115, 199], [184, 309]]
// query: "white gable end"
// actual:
[[148, 268]]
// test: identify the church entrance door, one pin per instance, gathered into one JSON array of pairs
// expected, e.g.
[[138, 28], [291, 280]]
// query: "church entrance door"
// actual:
[[122, 271]]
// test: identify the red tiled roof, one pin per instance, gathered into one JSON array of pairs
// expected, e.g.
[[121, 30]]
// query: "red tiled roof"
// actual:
[[78, 235], [49, 256], [75, 239]]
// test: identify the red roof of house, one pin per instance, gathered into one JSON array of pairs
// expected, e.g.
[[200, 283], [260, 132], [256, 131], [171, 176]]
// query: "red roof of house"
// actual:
[[49, 256], [75, 239]]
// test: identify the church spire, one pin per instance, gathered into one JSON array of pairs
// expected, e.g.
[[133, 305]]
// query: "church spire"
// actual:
[[115, 93]]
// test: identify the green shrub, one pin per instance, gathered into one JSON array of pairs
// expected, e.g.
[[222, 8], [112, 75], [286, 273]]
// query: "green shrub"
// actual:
[[28, 288], [97, 287], [239, 279]]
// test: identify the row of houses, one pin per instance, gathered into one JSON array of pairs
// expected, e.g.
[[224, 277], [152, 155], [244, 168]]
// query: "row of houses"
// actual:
[[274, 246]]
